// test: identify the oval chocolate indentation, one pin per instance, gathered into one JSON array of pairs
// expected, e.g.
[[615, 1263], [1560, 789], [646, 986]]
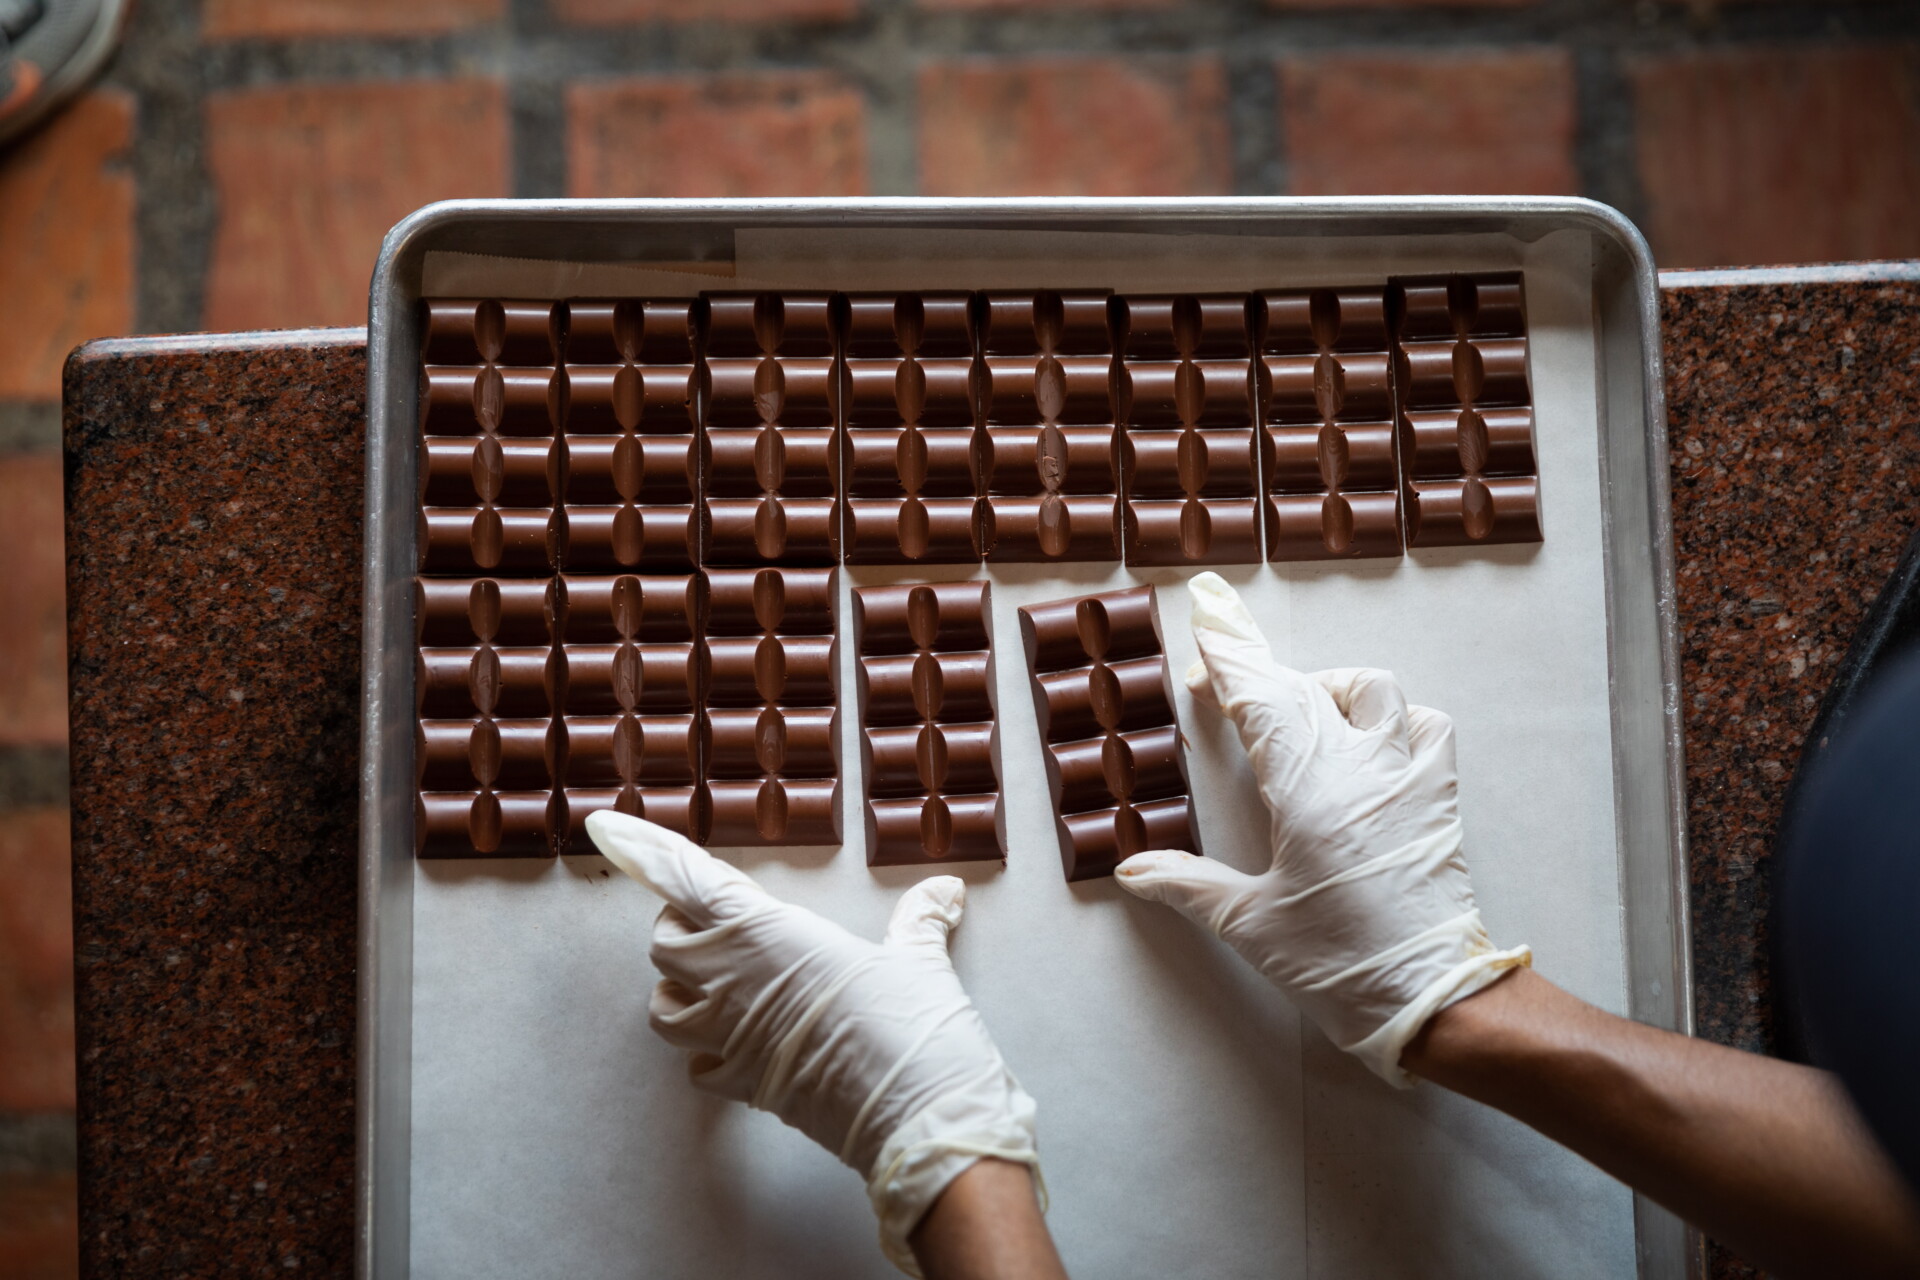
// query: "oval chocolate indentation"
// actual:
[[770, 669], [629, 397], [1469, 374], [483, 752], [1050, 457], [770, 810], [914, 528], [1476, 509], [483, 680], [489, 538], [1323, 318], [929, 686], [909, 321], [770, 529], [1116, 764], [1105, 693], [1049, 387], [1054, 525], [489, 468], [483, 608], [1336, 524], [930, 757], [628, 599], [769, 390], [1333, 456], [769, 599], [936, 828], [923, 617], [626, 677], [769, 321], [1473, 442], [1189, 392], [629, 537], [484, 823], [489, 329], [770, 740], [489, 398], [629, 467], [1196, 529], [1129, 832], [1329, 386], [1190, 456], [1091, 625], [910, 460], [910, 390], [770, 460]]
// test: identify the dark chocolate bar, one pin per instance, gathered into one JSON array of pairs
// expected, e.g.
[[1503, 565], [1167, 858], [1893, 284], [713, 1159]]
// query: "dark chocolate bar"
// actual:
[[773, 762], [1466, 416], [1051, 459], [931, 745], [912, 447], [1190, 458], [771, 440], [1327, 383], [1116, 762]]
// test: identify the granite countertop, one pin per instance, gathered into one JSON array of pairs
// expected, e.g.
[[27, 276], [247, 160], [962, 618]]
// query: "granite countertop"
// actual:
[[213, 517]]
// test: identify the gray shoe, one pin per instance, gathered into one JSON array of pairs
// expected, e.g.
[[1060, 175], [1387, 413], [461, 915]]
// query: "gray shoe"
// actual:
[[49, 50]]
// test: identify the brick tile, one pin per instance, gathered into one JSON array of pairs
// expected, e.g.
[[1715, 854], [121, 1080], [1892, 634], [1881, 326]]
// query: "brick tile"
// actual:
[[787, 134], [36, 962], [33, 612], [66, 242], [1771, 156], [1150, 126], [610, 12], [280, 19], [308, 180], [39, 1226], [1430, 124]]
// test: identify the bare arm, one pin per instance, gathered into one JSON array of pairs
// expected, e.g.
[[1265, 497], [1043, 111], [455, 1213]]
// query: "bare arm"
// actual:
[[1764, 1155], [987, 1226]]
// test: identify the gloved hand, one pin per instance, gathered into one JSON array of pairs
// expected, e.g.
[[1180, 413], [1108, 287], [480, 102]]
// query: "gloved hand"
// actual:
[[872, 1050], [1366, 917]]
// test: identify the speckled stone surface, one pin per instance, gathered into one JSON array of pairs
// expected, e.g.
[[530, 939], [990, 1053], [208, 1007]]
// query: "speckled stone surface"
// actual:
[[214, 498], [213, 569]]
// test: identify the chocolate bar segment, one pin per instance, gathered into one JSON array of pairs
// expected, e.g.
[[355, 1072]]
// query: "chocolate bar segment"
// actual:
[[1116, 761], [1326, 380], [912, 464], [931, 745], [1466, 417], [773, 766], [1190, 456], [770, 442], [1051, 456]]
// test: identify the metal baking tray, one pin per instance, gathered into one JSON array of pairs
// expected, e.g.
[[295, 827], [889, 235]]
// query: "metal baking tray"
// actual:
[[1635, 537]]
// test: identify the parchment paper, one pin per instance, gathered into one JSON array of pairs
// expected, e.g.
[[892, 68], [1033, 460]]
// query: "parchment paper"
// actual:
[[1190, 1122]]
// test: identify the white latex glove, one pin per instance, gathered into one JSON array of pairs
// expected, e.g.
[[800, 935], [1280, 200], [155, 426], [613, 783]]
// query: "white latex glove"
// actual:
[[873, 1050], [1366, 918]]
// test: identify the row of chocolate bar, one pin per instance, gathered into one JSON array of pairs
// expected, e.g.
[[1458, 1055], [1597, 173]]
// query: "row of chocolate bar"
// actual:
[[742, 430], [708, 703]]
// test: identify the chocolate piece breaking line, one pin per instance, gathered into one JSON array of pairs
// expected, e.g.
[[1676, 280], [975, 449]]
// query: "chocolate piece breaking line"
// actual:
[[630, 511]]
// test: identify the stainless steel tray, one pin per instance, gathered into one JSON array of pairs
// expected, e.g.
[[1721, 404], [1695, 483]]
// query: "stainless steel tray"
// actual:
[[1643, 666]]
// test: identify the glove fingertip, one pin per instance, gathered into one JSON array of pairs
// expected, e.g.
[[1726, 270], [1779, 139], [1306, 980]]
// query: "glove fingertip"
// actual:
[[1140, 873]]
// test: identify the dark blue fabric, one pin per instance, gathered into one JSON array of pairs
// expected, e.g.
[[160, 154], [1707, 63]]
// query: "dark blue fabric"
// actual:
[[1849, 908]]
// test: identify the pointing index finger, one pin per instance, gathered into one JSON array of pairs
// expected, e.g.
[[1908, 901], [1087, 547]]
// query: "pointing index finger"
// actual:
[[704, 889]]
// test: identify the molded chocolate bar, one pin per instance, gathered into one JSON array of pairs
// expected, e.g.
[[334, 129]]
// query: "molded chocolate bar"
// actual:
[[931, 746], [773, 763], [1116, 762], [770, 444], [543, 700], [631, 459], [1046, 397], [1327, 383], [493, 397], [1191, 453], [1466, 417], [912, 467]]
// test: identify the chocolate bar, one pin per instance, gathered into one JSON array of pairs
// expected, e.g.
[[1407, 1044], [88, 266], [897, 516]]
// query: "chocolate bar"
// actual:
[[1116, 762], [1051, 456], [1466, 416], [1327, 383], [773, 762], [1190, 457], [771, 439], [912, 464], [931, 747]]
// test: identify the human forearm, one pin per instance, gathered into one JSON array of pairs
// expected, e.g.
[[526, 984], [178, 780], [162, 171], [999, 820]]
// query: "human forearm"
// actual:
[[987, 1226], [1764, 1155]]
